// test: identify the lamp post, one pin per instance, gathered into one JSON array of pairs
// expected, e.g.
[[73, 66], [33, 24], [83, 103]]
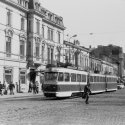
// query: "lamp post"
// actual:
[[69, 45]]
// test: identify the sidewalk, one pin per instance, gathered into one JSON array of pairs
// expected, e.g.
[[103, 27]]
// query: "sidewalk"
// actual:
[[18, 95]]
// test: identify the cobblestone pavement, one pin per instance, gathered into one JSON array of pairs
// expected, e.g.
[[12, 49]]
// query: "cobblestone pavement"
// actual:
[[104, 109]]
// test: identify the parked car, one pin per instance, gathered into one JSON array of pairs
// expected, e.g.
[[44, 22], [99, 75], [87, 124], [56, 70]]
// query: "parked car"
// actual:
[[120, 86]]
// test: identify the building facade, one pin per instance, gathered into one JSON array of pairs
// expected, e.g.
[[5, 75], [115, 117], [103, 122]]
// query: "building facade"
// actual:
[[76, 55], [45, 38], [31, 37], [112, 54], [102, 67], [13, 37]]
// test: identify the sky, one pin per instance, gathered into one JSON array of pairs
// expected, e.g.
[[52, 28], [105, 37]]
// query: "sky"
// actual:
[[96, 22]]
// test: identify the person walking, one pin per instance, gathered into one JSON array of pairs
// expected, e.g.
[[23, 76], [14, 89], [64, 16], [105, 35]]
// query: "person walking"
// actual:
[[30, 87], [37, 87], [34, 88], [1, 87], [5, 87], [87, 91], [11, 87]]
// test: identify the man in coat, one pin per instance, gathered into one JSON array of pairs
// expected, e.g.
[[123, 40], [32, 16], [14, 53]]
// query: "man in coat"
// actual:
[[87, 91]]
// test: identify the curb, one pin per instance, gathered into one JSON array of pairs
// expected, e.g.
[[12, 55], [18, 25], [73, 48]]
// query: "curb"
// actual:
[[9, 97]]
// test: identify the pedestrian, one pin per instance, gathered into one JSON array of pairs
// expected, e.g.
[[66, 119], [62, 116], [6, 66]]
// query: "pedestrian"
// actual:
[[1, 87], [11, 87], [5, 88], [34, 88], [37, 87], [30, 87], [86, 93]]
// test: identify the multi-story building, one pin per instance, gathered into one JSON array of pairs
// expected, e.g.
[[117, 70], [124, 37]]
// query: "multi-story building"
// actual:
[[45, 37], [31, 37], [102, 67], [112, 54], [95, 65], [13, 37], [76, 55]]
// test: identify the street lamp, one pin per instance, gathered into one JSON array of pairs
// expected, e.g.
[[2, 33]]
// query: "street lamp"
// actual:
[[69, 45], [72, 37]]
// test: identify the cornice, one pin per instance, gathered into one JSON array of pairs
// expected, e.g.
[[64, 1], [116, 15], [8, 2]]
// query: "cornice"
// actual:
[[33, 11], [77, 47], [54, 24], [15, 5]]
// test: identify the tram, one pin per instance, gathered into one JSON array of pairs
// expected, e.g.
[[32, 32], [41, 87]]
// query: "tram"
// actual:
[[102, 83], [66, 82]]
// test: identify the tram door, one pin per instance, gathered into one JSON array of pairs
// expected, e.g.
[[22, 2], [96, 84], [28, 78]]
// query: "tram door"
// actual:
[[8, 75]]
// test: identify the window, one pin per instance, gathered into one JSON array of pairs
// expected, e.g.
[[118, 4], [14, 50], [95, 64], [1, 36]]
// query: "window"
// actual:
[[9, 18], [50, 34], [22, 77], [50, 16], [73, 77], [42, 54], [22, 23], [8, 75], [78, 78], [43, 31], [98, 79], [94, 78], [67, 78], [48, 55], [22, 49], [51, 55], [59, 54], [8, 46], [83, 78], [58, 37], [21, 2], [37, 50], [91, 78], [37, 26], [60, 76], [26, 4], [30, 26], [37, 6], [51, 76]]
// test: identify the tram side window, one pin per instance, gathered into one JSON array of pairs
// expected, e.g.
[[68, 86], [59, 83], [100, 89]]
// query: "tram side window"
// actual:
[[73, 77], [91, 78], [97, 78], [60, 76], [108, 79], [83, 78], [94, 78], [51, 75], [66, 78], [103, 79], [100, 79], [78, 78]]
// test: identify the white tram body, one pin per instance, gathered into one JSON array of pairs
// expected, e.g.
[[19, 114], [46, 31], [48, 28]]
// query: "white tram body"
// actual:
[[97, 83], [102, 83], [111, 83], [65, 82]]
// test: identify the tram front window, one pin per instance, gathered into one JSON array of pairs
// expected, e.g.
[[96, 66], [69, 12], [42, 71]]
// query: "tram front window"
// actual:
[[51, 76]]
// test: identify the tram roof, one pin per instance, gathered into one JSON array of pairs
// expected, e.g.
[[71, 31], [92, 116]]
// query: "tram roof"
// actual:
[[94, 74], [62, 69]]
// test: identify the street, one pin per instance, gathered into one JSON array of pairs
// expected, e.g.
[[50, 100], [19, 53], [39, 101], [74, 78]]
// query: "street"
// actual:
[[103, 109]]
